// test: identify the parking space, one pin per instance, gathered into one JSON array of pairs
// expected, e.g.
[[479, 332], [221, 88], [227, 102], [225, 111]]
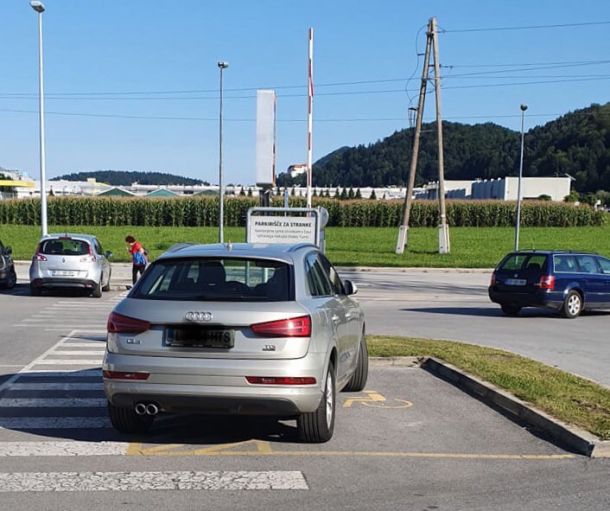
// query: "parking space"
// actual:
[[409, 440], [406, 412]]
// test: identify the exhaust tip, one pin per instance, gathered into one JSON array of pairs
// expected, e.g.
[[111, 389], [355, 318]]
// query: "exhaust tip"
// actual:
[[152, 409], [140, 408]]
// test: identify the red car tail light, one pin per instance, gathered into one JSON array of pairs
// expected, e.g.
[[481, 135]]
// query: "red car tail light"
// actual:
[[281, 380], [547, 282], [121, 375], [119, 324], [493, 279], [292, 327]]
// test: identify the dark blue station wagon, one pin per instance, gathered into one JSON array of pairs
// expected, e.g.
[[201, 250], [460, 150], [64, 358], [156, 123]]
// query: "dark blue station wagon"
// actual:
[[568, 282]]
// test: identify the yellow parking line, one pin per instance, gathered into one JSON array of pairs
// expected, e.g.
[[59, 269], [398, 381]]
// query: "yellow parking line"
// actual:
[[264, 449]]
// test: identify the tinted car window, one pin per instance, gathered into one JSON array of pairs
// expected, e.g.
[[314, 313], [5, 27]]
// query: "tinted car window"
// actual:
[[604, 263], [587, 264], [317, 280], [565, 263], [513, 262], [66, 246], [221, 279], [332, 275], [528, 262]]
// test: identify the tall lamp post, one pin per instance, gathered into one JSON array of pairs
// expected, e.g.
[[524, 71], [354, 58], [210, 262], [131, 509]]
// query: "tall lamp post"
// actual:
[[221, 66], [518, 219], [39, 8]]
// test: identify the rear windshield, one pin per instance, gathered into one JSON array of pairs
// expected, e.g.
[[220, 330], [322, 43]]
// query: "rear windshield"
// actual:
[[530, 262], [64, 246], [219, 279]]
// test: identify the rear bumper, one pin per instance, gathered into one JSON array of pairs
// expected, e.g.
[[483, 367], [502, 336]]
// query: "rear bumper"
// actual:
[[540, 298], [216, 385], [63, 282]]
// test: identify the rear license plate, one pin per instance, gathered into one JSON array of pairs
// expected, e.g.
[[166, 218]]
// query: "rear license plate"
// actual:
[[181, 337], [64, 273], [515, 282]]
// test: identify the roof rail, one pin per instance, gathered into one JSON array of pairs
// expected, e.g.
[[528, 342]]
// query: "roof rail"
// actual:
[[179, 246]]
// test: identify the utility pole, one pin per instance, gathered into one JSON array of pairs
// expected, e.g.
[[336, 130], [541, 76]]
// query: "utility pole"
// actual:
[[404, 228], [444, 245], [443, 229]]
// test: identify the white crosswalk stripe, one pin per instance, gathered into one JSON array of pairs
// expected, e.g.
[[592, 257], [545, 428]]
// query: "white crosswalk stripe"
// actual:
[[143, 481]]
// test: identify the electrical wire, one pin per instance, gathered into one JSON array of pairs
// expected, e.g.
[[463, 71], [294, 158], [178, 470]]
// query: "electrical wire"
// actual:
[[525, 27]]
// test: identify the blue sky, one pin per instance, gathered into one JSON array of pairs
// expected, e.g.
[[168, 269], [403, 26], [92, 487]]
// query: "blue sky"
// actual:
[[116, 72]]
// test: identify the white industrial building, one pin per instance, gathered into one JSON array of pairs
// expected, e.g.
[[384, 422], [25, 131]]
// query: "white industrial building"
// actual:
[[557, 188]]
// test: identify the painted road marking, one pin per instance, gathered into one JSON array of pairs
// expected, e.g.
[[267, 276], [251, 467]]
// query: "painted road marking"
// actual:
[[72, 448], [25, 423], [52, 403], [256, 448], [59, 362], [76, 352], [57, 386], [145, 481], [376, 400]]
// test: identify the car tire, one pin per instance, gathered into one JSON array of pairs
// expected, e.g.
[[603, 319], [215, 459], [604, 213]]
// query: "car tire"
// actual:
[[106, 288], [35, 291], [318, 426], [96, 292], [572, 305], [126, 420], [358, 380], [12, 279], [510, 310]]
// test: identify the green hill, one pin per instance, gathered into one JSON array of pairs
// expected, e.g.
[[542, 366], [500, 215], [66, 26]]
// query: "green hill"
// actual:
[[577, 143], [126, 178]]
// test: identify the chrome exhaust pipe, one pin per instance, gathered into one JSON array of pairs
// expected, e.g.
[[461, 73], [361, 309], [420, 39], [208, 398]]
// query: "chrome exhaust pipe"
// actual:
[[152, 409], [140, 408]]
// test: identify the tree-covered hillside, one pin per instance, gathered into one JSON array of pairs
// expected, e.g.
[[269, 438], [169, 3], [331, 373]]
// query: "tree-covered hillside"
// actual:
[[577, 143], [126, 178]]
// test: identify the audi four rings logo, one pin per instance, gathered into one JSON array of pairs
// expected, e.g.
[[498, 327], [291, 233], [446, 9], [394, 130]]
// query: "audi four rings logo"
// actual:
[[198, 316]]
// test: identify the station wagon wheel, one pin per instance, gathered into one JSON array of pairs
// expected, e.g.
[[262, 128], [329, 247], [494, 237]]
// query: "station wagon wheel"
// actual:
[[572, 306], [510, 310], [318, 426]]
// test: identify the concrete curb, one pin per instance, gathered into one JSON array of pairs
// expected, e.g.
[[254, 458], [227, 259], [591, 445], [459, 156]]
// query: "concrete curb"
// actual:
[[573, 438]]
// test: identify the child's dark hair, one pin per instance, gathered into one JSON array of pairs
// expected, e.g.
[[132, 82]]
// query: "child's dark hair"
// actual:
[[130, 239]]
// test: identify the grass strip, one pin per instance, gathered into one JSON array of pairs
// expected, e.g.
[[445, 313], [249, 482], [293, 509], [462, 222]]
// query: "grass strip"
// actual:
[[471, 247], [567, 397]]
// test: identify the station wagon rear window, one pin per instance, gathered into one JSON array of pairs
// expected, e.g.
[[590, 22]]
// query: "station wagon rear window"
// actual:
[[218, 279], [64, 246], [530, 262]]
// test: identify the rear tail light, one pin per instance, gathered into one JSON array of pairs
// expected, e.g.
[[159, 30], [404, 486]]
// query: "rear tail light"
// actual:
[[281, 380], [89, 258], [493, 279], [122, 375], [39, 257], [292, 327], [547, 282], [119, 324]]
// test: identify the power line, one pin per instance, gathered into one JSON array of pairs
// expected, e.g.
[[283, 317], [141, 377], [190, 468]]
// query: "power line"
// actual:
[[323, 120], [526, 27]]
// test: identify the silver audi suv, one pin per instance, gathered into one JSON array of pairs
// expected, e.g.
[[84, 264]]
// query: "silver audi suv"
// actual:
[[70, 260], [236, 329]]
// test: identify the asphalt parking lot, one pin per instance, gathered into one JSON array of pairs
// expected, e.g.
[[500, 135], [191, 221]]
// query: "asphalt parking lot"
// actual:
[[409, 441]]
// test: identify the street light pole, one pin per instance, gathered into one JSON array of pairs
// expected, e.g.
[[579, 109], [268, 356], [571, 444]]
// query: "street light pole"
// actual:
[[39, 8], [221, 66], [519, 188]]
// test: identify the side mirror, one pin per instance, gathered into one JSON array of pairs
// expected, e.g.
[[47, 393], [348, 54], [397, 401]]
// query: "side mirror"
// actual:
[[8, 250], [350, 287], [108, 254]]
